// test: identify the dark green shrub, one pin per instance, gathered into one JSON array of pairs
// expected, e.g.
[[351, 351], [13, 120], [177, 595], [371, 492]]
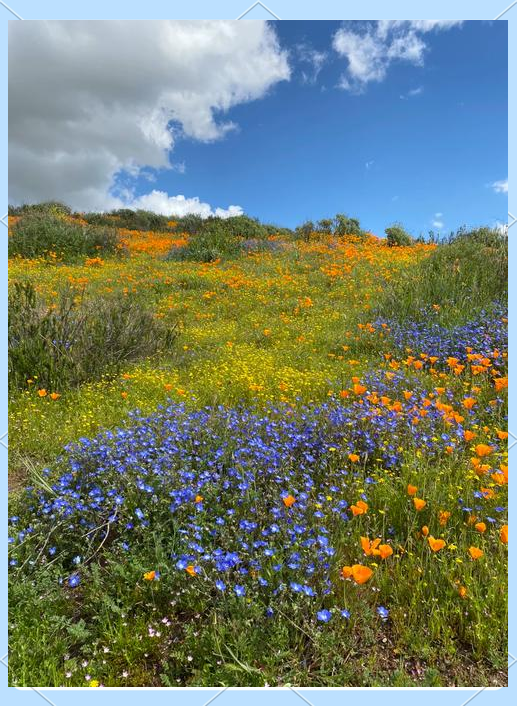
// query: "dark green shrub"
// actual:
[[191, 224], [396, 236], [214, 242], [344, 225], [77, 341], [39, 234], [305, 230], [132, 220]]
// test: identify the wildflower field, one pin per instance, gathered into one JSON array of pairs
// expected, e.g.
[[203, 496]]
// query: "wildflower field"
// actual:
[[247, 456]]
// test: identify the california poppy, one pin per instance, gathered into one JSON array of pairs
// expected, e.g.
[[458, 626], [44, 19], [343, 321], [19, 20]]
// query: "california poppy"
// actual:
[[475, 552], [360, 508], [358, 572], [483, 450], [412, 489], [503, 534], [480, 527], [435, 544], [419, 504], [289, 500]]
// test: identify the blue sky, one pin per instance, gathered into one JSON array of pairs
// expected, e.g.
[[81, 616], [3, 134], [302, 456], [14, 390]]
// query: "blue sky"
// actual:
[[384, 123]]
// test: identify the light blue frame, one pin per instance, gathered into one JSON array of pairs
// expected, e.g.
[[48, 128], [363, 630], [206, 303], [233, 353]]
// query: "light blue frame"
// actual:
[[499, 10]]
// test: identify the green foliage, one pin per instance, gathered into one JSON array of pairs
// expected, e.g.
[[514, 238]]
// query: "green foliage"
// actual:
[[464, 274], [305, 230], [326, 225], [190, 224], [397, 236], [46, 208], [77, 341], [130, 219], [40, 234], [344, 225], [215, 241]]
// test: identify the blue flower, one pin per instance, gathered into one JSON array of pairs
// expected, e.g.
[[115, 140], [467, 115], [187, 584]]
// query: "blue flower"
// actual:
[[239, 590], [74, 580], [345, 613], [324, 616], [383, 612], [220, 585]]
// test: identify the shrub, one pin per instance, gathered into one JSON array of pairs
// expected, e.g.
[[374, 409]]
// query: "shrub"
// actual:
[[190, 224], [47, 208], [305, 230], [212, 243], [39, 234], [79, 339], [396, 236], [344, 225]]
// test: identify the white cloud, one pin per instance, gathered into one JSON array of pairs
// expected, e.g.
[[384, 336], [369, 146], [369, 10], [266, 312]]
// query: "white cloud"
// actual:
[[370, 48], [314, 59], [437, 221], [161, 202], [412, 93], [500, 187], [90, 101]]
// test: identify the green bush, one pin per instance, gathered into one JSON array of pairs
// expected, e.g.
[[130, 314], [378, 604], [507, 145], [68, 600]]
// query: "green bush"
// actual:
[[344, 225], [212, 243], [130, 219], [462, 275], [39, 234], [79, 339], [46, 208], [396, 236]]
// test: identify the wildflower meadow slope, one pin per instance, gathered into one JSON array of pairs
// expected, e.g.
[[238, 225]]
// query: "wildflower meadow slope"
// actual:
[[247, 456]]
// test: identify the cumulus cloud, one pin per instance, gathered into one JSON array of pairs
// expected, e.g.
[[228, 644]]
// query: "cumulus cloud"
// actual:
[[91, 100], [161, 202], [370, 48], [500, 187]]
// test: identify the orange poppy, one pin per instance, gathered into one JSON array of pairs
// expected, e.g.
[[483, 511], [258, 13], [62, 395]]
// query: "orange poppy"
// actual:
[[150, 575], [360, 508], [483, 450], [419, 504], [503, 534], [360, 574], [425, 530], [190, 570], [353, 457], [480, 527], [475, 552], [435, 544], [385, 551], [412, 489], [443, 516], [42, 393], [289, 500], [198, 499]]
